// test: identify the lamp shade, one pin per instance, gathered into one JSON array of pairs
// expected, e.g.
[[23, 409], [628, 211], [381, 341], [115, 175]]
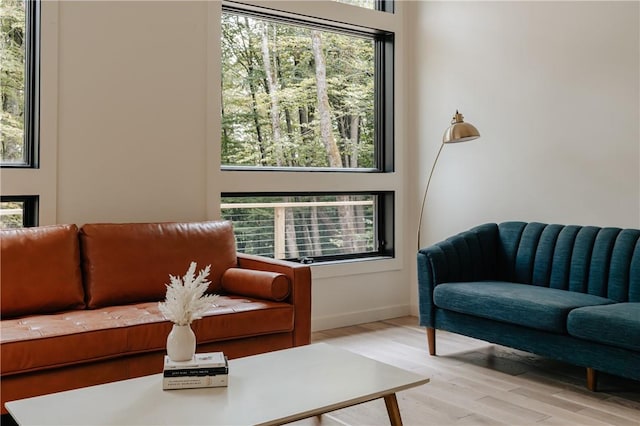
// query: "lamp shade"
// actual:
[[459, 131]]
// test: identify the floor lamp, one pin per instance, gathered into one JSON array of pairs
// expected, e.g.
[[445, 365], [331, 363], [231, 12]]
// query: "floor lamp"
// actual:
[[459, 131]]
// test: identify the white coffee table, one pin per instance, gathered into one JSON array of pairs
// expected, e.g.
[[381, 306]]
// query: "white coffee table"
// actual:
[[271, 388]]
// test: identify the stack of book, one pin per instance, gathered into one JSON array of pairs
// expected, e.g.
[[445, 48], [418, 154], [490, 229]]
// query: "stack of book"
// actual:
[[205, 370]]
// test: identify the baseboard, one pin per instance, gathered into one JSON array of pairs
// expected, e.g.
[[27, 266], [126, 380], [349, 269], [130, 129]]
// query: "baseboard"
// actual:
[[358, 317], [415, 310]]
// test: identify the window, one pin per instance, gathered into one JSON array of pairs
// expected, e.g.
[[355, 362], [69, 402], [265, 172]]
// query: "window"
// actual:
[[311, 227], [367, 4], [386, 6], [19, 81], [18, 211], [300, 95], [310, 97]]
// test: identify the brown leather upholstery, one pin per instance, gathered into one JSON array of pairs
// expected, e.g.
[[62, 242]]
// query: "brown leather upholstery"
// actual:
[[58, 344], [260, 284], [127, 263], [40, 270], [58, 340], [300, 295]]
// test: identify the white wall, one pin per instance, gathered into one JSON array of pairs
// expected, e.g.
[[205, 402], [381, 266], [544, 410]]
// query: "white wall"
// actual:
[[554, 89], [138, 137], [131, 144]]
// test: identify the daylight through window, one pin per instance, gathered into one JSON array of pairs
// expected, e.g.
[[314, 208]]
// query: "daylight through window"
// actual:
[[307, 96], [19, 79], [297, 96], [306, 227], [18, 211]]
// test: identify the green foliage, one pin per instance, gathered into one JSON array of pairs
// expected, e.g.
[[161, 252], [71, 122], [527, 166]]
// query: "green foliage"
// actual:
[[248, 132], [315, 231], [13, 220], [12, 74]]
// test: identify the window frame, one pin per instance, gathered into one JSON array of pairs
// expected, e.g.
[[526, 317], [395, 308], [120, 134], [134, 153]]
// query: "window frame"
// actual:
[[383, 228], [384, 42], [31, 137], [30, 209], [385, 180]]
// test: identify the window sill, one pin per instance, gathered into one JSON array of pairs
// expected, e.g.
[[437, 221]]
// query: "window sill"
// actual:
[[345, 268]]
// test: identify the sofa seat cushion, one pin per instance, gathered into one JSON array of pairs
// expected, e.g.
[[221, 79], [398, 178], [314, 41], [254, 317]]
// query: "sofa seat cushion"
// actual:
[[616, 325], [531, 306], [57, 340]]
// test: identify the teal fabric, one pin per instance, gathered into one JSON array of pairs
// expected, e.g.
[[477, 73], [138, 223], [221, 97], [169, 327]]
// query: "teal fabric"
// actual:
[[544, 255], [526, 253], [634, 275], [581, 258], [561, 259], [586, 353], [624, 285], [590, 265], [602, 262], [616, 325], [509, 235], [527, 305], [442, 263], [602, 248]]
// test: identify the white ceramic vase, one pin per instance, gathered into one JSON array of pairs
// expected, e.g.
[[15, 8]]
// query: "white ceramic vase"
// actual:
[[181, 343]]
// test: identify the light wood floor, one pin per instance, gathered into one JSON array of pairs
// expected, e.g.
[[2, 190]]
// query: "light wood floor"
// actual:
[[478, 383]]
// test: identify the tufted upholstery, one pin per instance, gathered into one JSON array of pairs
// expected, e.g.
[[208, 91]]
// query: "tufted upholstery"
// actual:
[[39, 342], [564, 291], [603, 262]]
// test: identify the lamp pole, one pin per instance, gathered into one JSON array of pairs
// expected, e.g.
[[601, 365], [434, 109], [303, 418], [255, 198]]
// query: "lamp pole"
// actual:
[[459, 131], [424, 197]]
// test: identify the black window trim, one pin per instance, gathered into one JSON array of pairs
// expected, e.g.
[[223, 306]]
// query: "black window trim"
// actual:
[[385, 228], [384, 43], [384, 103], [32, 89], [30, 209]]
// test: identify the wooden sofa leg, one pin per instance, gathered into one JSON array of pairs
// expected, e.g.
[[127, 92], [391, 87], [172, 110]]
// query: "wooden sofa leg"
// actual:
[[431, 340], [592, 379]]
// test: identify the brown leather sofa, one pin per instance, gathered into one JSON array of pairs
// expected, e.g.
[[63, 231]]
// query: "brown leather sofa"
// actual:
[[79, 307]]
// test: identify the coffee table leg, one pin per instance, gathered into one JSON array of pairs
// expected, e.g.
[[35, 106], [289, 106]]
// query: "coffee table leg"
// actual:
[[392, 409]]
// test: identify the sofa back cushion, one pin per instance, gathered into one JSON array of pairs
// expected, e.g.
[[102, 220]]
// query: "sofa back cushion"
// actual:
[[603, 262], [131, 263], [40, 270]]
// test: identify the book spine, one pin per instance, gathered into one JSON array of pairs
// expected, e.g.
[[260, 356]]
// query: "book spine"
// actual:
[[199, 361], [220, 380], [195, 372]]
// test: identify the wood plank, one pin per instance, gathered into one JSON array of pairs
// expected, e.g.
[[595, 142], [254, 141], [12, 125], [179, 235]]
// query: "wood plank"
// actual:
[[478, 383]]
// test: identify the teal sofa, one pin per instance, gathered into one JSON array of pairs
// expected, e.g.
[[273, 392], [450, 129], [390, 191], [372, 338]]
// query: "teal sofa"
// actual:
[[566, 292]]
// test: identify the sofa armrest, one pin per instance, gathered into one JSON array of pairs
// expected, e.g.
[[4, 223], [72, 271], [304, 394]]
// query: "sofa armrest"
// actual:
[[260, 284], [299, 276], [468, 256]]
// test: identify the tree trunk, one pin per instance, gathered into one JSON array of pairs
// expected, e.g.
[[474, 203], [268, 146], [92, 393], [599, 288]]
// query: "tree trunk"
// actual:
[[273, 94], [254, 102], [324, 110], [355, 142], [290, 232], [290, 157], [326, 134]]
